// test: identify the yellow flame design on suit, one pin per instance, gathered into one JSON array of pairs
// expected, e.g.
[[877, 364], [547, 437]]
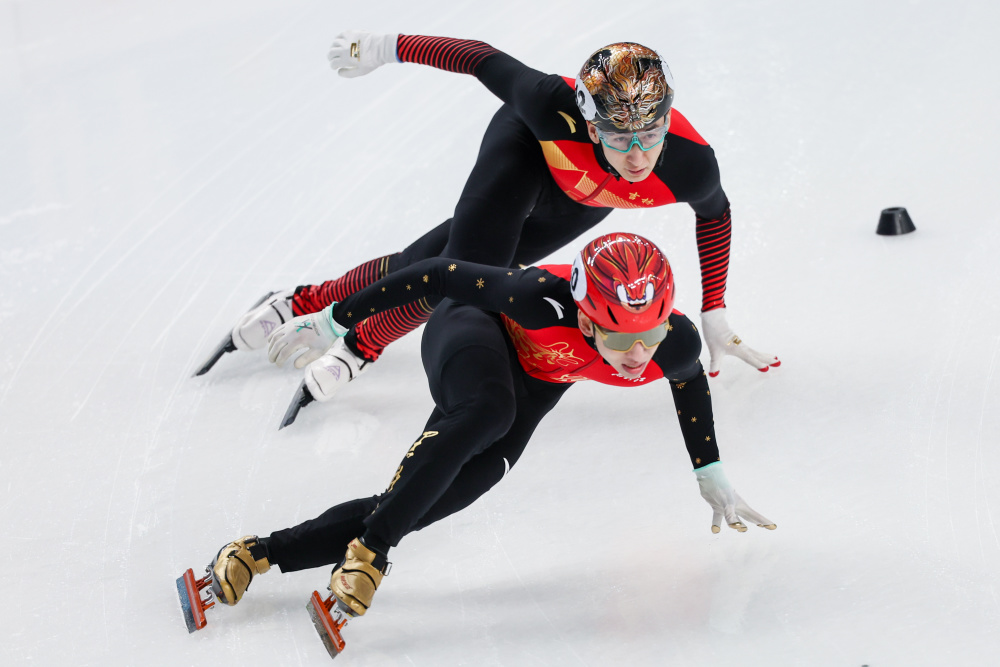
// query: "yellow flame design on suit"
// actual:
[[559, 354], [556, 159]]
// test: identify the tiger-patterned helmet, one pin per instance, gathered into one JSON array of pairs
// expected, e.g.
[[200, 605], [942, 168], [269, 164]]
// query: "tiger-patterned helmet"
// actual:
[[624, 87]]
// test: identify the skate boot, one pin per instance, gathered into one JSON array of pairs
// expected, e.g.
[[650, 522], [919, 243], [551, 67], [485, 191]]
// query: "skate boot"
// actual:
[[352, 586], [235, 566], [326, 375], [355, 580], [252, 330]]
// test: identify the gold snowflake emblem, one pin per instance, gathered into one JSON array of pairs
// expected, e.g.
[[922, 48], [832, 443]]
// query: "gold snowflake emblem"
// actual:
[[647, 202], [480, 283], [453, 267], [542, 279], [408, 288], [633, 195]]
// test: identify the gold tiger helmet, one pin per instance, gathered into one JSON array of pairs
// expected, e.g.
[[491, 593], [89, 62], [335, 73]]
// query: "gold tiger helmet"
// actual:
[[624, 87]]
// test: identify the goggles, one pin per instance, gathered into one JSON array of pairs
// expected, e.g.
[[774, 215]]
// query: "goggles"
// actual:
[[620, 341], [645, 139]]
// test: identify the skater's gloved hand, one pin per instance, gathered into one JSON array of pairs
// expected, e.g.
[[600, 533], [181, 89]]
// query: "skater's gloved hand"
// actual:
[[721, 340], [725, 502], [355, 53], [314, 333]]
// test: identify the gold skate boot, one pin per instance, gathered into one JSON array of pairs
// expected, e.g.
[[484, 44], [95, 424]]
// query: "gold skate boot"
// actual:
[[235, 567], [354, 582]]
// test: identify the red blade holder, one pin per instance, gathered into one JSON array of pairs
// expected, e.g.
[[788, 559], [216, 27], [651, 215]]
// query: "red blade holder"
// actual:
[[193, 607], [328, 629]]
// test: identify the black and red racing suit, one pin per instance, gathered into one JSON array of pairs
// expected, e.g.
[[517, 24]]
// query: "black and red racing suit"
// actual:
[[499, 353], [539, 182]]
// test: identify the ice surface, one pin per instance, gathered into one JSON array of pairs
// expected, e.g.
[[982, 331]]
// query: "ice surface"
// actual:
[[164, 164]]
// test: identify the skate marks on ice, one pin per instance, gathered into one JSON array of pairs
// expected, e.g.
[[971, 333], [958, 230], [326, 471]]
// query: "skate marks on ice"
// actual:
[[740, 571]]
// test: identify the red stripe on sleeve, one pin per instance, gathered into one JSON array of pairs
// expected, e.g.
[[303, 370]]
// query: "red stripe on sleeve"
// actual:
[[454, 55], [714, 241]]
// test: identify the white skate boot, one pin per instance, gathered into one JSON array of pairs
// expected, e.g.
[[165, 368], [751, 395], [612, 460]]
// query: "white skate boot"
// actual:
[[326, 375], [251, 331]]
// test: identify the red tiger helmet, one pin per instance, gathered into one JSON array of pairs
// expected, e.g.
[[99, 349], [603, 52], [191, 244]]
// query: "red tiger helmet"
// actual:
[[623, 282]]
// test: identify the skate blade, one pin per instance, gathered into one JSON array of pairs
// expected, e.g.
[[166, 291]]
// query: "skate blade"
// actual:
[[192, 606], [328, 628], [227, 345], [301, 399]]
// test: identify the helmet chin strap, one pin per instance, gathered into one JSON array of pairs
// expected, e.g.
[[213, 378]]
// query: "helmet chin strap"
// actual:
[[603, 161]]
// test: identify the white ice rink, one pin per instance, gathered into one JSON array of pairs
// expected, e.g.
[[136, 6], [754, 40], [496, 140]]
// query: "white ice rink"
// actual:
[[163, 164]]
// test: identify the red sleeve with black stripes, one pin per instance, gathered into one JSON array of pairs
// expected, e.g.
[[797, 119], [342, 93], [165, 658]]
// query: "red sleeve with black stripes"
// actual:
[[454, 55], [714, 240]]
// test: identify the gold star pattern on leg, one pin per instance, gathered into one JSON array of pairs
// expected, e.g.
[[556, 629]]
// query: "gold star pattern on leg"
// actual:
[[680, 385], [647, 202], [383, 289], [408, 288], [708, 438], [427, 279], [542, 279], [632, 195], [694, 419], [453, 267], [697, 461], [511, 299], [480, 283]]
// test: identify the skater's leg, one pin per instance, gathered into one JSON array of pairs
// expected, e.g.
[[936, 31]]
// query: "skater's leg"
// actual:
[[319, 541], [471, 380], [313, 298], [500, 193], [484, 470]]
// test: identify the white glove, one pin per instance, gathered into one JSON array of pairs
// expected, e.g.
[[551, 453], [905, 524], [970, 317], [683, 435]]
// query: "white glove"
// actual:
[[314, 333], [725, 502], [252, 330], [355, 53], [721, 340]]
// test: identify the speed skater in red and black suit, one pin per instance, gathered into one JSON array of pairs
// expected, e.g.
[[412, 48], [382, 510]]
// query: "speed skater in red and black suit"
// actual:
[[499, 353], [557, 157]]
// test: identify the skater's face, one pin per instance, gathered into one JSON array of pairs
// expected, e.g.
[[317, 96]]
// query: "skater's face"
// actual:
[[635, 165], [631, 363]]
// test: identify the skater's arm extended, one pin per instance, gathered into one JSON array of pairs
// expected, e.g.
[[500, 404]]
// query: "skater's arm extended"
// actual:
[[678, 359], [532, 297], [535, 96]]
